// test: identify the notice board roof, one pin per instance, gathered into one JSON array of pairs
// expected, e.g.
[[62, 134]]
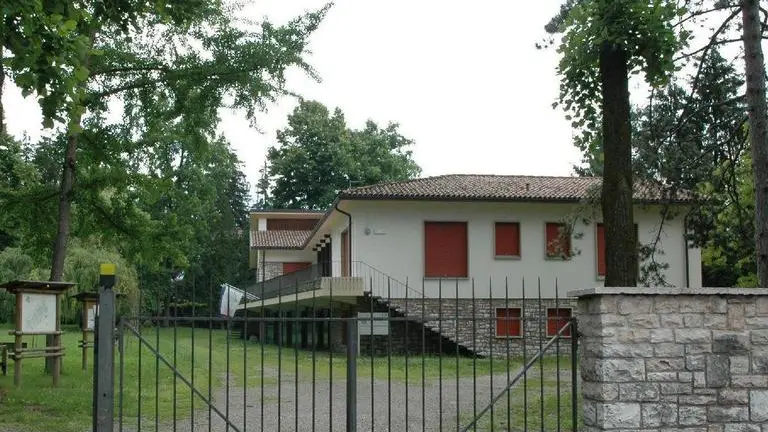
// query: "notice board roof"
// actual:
[[31, 285]]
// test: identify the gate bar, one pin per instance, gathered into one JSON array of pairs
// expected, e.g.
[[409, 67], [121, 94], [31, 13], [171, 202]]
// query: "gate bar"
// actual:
[[180, 376], [527, 366], [352, 375]]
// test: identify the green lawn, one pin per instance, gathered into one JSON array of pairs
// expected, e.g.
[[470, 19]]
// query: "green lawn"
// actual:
[[148, 384]]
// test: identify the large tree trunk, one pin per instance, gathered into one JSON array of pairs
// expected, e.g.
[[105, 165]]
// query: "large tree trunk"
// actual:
[[617, 205], [758, 130], [65, 209], [62, 235]]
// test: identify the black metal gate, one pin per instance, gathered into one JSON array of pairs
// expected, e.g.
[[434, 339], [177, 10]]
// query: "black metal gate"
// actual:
[[387, 360]]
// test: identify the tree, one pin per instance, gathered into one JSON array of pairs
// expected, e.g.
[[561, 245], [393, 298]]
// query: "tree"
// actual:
[[192, 54], [758, 124], [696, 141], [603, 42], [319, 156]]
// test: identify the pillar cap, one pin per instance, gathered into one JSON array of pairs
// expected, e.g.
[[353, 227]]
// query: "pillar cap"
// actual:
[[653, 291]]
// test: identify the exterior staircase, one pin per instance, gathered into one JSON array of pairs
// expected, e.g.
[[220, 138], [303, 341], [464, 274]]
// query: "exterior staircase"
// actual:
[[445, 329]]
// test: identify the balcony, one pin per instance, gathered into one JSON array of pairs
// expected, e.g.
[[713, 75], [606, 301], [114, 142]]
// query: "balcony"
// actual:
[[323, 282]]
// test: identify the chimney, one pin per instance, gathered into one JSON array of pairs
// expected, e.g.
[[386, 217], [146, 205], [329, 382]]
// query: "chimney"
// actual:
[[527, 187]]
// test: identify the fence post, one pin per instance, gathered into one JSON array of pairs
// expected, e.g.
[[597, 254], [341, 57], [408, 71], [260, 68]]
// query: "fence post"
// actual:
[[352, 375], [103, 395]]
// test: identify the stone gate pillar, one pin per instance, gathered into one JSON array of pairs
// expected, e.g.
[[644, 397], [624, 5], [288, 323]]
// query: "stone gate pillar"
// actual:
[[668, 359]]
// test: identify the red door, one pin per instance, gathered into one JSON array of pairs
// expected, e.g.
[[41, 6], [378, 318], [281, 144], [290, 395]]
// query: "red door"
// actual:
[[345, 253]]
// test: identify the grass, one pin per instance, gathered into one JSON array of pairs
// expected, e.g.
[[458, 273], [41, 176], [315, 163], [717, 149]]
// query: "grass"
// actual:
[[148, 384], [519, 416]]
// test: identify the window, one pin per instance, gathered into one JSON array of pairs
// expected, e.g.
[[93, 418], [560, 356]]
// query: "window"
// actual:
[[600, 244], [600, 250], [508, 322], [507, 239], [445, 249], [558, 240], [557, 318]]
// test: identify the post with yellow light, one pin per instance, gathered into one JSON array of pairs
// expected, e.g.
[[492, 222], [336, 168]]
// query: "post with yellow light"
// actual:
[[103, 354]]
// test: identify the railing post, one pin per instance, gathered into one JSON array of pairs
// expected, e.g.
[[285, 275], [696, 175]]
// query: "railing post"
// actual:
[[104, 391], [352, 375]]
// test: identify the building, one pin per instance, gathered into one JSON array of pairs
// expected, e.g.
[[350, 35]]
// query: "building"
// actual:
[[454, 256]]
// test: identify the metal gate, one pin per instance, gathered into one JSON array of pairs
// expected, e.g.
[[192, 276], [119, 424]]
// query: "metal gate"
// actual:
[[397, 361]]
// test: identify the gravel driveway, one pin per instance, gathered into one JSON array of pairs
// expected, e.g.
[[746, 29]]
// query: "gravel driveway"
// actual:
[[374, 412]]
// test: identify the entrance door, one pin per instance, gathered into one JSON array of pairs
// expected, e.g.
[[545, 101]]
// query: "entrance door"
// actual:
[[345, 253]]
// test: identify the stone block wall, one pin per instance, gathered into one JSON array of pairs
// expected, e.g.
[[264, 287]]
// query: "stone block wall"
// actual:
[[269, 271], [472, 324], [693, 360]]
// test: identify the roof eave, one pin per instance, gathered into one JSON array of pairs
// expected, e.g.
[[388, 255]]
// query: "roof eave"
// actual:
[[491, 199]]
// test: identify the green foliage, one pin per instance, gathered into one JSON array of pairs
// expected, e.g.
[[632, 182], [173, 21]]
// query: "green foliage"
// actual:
[[81, 267], [319, 156], [159, 187], [644, 30], [693, 137]]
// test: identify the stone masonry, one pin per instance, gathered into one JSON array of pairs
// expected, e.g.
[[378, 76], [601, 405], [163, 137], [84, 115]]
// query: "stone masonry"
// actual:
[[269, 271], [693, 360], [472, 323]]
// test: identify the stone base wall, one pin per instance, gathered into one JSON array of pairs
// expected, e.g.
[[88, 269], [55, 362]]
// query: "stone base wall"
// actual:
[[674, 360], [270, 270], [472, 325]]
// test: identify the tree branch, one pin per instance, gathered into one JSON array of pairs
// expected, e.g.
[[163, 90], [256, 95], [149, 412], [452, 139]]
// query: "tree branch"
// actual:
[[706, 47], [130, 69], [701, 13], [722, 28]]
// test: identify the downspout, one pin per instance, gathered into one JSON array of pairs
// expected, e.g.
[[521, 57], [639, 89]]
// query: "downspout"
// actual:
[[349, 258], [349, 234]]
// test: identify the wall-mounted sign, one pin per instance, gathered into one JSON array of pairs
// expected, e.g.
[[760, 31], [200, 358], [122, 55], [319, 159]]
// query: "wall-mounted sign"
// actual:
[[380, 325]]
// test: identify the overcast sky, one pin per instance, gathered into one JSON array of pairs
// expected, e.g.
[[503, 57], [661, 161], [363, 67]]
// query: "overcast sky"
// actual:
[[463, 79]]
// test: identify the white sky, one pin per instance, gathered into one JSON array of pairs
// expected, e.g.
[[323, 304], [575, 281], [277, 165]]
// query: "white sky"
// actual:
[[463, 79]]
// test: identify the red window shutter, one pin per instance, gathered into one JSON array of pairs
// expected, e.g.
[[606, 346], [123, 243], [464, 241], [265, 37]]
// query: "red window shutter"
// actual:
[[557, 319], [508, 322], [290, 267], [600, 250], [558, 241], [507, 239], [445, 249], [345, 253], [501, 322]]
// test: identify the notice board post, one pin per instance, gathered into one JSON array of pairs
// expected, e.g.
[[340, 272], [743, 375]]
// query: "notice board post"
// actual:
[[38, 312]]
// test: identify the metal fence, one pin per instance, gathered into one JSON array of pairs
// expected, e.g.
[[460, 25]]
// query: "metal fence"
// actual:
[[329, 361]]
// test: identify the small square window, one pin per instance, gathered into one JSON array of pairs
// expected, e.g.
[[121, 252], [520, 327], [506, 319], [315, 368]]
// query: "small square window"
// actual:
[[508, 322], [557, 318], [507, 239], [558, 240]]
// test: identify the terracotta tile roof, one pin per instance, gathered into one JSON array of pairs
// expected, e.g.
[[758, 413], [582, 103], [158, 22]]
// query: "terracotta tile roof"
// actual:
[[279, 239], [465, 187], [255, 209]]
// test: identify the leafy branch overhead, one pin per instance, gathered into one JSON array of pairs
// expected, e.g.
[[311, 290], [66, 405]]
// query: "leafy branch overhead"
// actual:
[[319, 155], [603, 43], [644, 30]]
